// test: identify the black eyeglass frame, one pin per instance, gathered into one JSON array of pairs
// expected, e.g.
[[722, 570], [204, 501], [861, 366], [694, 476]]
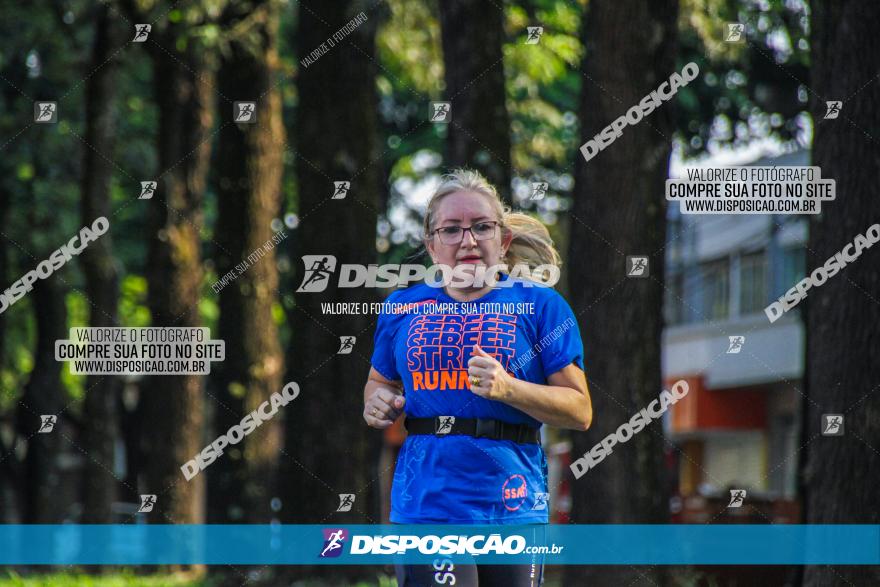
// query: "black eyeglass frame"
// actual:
[[495, 224]]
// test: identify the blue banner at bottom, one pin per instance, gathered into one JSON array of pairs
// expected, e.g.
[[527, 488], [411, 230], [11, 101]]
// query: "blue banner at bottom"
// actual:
[[278, 544]]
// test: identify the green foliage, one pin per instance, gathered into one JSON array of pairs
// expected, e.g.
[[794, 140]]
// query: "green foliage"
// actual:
[[133, 310], [542, 84], [745, 91], [209, 312], [409, 47], [18, 359], [125, 579], [25, 172], [78, 310]]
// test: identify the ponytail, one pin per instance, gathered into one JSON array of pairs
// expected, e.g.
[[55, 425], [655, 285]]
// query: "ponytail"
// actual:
[[531, 244]]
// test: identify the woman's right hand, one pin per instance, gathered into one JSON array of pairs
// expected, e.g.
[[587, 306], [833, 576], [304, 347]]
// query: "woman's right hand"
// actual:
[[383, 406]]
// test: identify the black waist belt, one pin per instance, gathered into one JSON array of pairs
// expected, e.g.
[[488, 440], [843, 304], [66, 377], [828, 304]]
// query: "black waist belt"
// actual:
[[476, 427]]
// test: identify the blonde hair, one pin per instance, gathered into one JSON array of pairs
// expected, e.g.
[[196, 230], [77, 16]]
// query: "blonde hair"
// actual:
[[531, 244]]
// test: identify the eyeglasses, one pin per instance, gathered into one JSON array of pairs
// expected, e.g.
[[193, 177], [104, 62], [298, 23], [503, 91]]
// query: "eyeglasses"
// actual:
[[481, 231]]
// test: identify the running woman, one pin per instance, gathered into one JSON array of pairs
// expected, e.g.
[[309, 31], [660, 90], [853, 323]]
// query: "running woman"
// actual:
[[498, 374]]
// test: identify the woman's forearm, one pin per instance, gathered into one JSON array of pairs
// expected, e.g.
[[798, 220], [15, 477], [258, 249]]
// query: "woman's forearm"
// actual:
[[563, 407]]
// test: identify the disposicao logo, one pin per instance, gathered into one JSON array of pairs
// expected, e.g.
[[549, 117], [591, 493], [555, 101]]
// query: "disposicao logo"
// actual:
[[334, 540], [320, 268]]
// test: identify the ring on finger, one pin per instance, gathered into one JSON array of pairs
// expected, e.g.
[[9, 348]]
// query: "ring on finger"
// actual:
[[374, 412], [475, 380]]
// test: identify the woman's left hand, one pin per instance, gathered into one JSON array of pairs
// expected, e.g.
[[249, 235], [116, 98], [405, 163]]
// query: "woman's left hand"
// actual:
[[494, 381]]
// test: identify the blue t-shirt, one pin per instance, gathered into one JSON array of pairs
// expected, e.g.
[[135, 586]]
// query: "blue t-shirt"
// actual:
[[459, 479]]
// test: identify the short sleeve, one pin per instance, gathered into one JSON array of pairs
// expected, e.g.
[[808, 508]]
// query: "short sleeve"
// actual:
[[559, 339], [383, 346]]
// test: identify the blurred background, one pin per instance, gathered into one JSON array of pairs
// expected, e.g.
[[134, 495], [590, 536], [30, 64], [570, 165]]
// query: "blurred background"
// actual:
[[357, 107]]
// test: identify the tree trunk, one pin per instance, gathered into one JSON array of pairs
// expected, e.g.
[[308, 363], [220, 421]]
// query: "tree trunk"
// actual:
[[102, 282], [5, 205], [619, 210], [173, 407], [250, 165], [842, 315], [472, 33], [9, 479], [329, 449], [44, 395]]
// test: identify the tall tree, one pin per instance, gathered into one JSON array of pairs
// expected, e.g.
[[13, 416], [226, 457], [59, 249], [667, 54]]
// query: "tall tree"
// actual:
[[843, 374], [44, 395], [9, 492], [328, 449], [183, 81], [472, 33], [102, 281], [619, 210], [38, 186], [249, 168]]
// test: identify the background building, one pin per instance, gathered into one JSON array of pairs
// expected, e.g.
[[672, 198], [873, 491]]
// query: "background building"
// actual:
[[739, 425]]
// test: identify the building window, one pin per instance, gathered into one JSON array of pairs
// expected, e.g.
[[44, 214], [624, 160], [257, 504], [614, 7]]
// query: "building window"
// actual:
[[793, 267], [672, 300], [753, 283], [716, 290], [735, 460]]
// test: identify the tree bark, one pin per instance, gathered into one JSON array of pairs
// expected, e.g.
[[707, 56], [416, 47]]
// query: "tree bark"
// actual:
[[102, 281], [44, 395], [250, 165], [842, 371], [619, 210], [329, 450], [173, 404], [9, 487], [472, 33]]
